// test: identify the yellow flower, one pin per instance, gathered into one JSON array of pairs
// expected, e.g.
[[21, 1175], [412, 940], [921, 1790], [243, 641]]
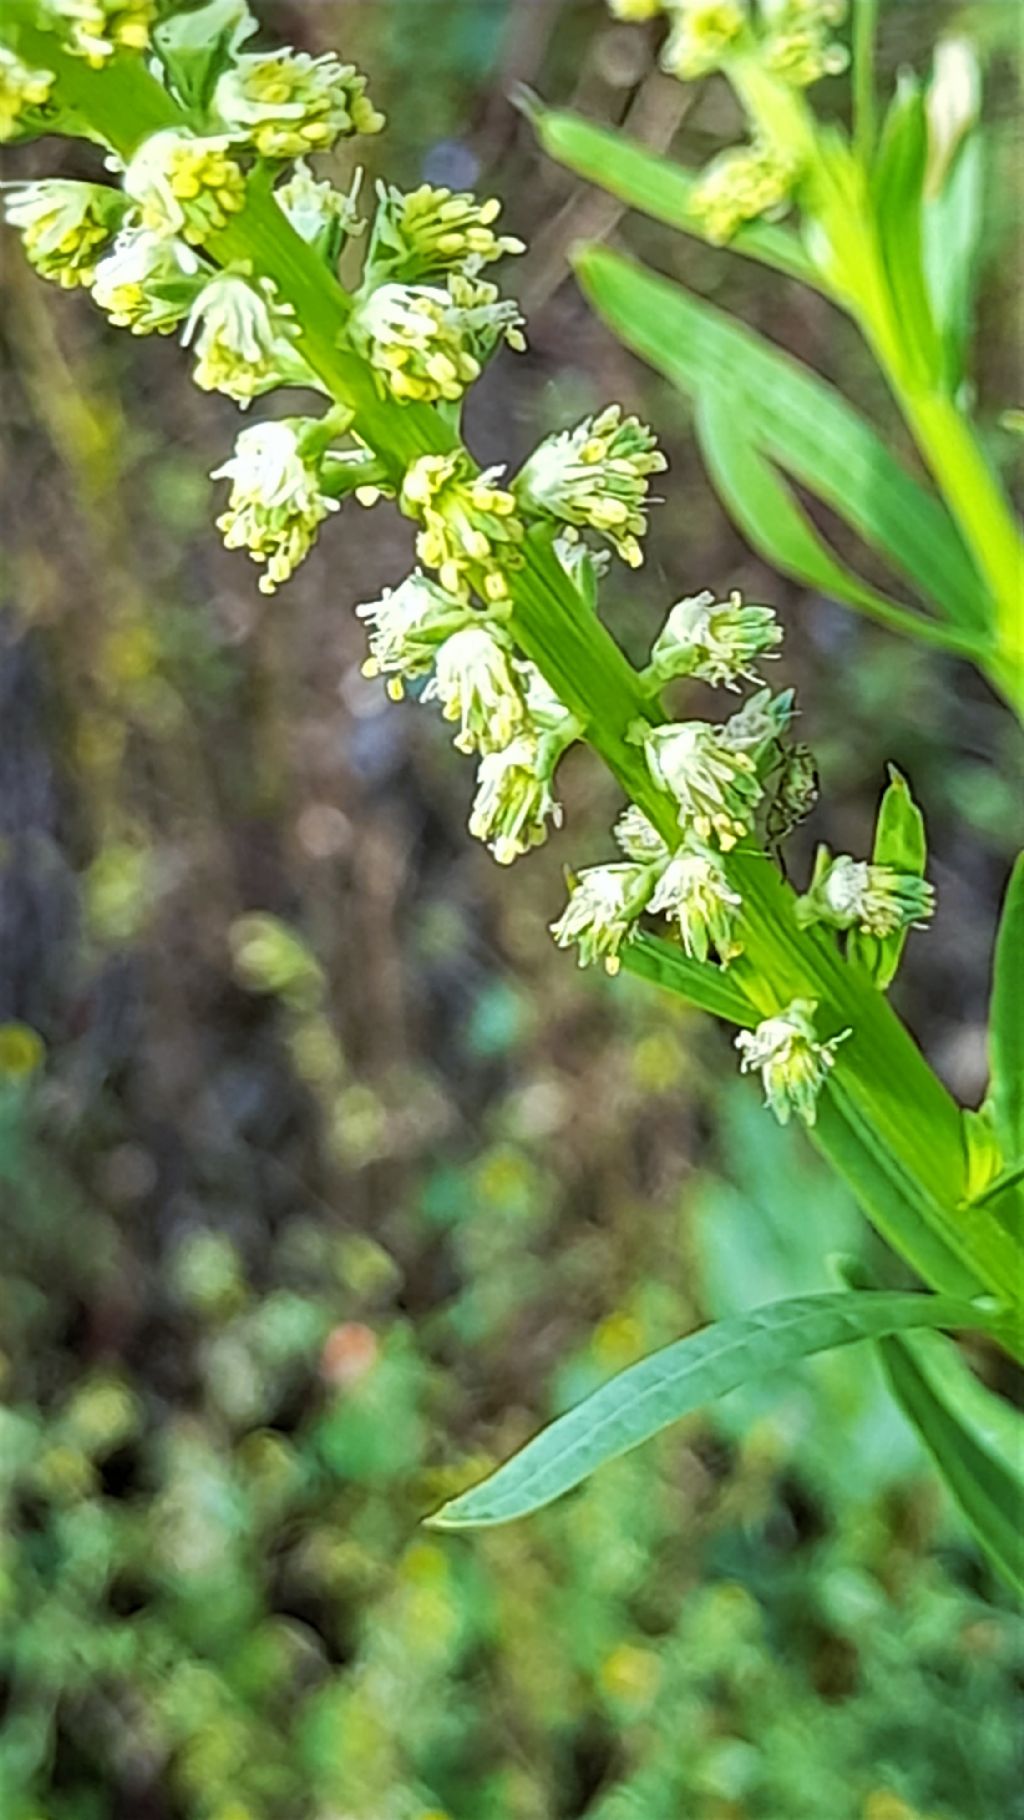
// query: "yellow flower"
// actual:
[[185, 185], [287, 103], [95, 29], [64, 226], [21, 89], [469, 526]]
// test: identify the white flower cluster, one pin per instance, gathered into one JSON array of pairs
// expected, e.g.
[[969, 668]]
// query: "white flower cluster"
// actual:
[[502, 707], [23, 92], [427, 342], [277, 502], [716, 777], [793, 1064], [714, 641], [287, 104], [847, 893], [425, 233], [96, 29], [470, 530], [160, 253], [596, 475]]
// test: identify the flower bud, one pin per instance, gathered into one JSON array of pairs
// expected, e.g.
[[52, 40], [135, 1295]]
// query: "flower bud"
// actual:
[[287, 104], [694, 892], [147, 282], [716, 787], [793, 1064], [713, 640], [602, 912], [739, 185], [429, 232], [64, 226], [276, 506], [879, 900], [596, 475], [23, 90], [184, 184], [702, 36], [798, 45], [514, 798], [406, 626], [475, 683], [470, 531], [241, 335]]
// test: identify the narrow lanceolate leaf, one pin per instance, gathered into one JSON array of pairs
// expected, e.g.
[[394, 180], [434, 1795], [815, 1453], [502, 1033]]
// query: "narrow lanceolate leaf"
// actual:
[[897, 190], [645, 1398], [700, 983], [803, 423], [900, 842], [975, 1439], [1006, 1022], [656, 186], [775, 525]]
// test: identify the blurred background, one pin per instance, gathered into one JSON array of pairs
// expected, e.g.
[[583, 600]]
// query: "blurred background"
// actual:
[[325, 1179]]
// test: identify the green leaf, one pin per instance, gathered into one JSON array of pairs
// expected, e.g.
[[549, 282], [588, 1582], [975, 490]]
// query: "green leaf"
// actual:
[[646, 1397], [953, 224], [195, 47], [655, 185], [975, 1439], [799, 420], [1006, 1021], [900, 842], [776, 526], [699, 982], [897, 186]]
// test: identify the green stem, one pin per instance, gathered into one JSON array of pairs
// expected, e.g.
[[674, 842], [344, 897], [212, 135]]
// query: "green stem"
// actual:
[[865, 27], [977, 502], [838, 196], [889, 1120]]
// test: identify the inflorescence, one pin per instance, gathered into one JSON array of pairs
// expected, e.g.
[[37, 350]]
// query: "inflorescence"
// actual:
[[793, 43], [425, 321]]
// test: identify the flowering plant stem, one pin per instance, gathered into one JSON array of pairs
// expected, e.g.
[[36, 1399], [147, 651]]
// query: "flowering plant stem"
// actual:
[[839, 202], [886, 1122]]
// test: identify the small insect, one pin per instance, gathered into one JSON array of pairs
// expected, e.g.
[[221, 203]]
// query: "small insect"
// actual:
[[794, 794]]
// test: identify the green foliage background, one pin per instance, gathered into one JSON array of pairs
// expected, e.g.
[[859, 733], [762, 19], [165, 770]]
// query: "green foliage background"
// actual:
[[296, 1240]]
